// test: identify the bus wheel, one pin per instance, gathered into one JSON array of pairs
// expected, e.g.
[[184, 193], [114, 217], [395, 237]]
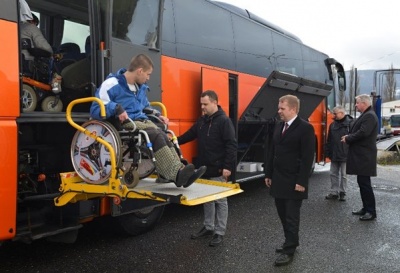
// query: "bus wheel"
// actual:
[[29, 98], [49, 105], [139, 222]]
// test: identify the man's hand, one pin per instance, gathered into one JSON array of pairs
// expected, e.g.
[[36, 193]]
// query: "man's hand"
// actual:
[[164, 119], [268, 182], [299, 188], [226, 173], [343, 139]]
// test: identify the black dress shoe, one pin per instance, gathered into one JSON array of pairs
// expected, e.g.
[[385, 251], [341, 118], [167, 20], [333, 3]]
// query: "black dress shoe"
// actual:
[[359, 212], [216, 240], [202, 233], [332, 196], [368, 216], [279, 250], [283, 259]]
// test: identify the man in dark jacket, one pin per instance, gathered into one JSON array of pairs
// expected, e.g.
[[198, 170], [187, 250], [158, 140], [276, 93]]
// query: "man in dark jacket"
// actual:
[[288, 167], [337, 152], [362, 156], [217, 147]]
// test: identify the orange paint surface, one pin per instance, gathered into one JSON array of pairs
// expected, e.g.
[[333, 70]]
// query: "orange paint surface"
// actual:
[[9, 110], [182, 84], [9, 70]]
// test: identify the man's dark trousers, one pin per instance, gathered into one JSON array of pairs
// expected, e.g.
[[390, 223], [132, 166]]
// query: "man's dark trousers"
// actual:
[[289, 213], [367, 194]]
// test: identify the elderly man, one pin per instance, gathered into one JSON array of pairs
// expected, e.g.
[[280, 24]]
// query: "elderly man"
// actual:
[[362, 156], [337, 152]]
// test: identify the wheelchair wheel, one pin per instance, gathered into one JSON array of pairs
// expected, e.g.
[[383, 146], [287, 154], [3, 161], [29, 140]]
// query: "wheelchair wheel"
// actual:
[[131, 177], [145, 166], [29, 99], [91, 160], [48, 104]]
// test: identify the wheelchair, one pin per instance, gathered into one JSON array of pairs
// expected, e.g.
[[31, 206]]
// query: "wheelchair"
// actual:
[[37, 77], [134, 154]]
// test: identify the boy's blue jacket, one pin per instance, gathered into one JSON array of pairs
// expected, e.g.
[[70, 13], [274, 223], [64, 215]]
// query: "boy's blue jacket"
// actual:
[[114, 91]]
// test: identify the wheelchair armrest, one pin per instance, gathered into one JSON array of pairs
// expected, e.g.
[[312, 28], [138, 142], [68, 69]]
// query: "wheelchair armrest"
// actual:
[[157, 121], [38, 52]]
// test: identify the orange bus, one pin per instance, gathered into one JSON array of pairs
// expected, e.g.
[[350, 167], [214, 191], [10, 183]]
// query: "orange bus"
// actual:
[[195, 45]]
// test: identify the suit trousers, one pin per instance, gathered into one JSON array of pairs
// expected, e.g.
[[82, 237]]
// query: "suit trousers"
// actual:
[[289, 214], [367, 193]]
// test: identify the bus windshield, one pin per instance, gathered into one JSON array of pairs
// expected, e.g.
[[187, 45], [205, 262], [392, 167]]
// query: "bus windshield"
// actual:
[[395, 121]]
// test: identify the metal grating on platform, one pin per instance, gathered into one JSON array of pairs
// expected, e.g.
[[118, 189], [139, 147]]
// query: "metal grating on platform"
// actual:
[[199, 189]]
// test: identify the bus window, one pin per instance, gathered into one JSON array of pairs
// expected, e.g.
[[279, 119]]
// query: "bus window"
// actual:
[[254, 50], [137, 22], [75, 33], [287, 56]]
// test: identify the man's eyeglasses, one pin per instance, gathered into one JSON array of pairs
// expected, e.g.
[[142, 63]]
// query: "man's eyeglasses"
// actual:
[[335, 114]]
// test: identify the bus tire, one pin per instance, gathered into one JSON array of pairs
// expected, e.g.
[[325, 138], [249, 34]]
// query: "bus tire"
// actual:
[[29, 98], [139, 222], [48, 104]]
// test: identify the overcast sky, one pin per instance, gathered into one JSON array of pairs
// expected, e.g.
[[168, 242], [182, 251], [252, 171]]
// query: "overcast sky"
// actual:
[[363, 33]]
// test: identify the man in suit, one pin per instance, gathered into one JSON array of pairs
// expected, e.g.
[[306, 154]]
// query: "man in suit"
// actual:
[[362, 155], [289, 163]]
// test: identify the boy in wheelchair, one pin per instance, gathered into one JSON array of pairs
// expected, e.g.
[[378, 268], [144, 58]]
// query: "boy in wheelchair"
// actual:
[[125, 96]]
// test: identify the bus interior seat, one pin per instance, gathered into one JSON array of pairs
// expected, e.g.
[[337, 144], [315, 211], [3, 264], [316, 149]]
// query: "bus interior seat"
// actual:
[[78, 74], [71, 53]]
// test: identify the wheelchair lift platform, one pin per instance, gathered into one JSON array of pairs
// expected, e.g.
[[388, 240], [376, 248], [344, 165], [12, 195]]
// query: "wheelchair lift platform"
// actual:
[[74, 189], [200, 192], [105, 179]]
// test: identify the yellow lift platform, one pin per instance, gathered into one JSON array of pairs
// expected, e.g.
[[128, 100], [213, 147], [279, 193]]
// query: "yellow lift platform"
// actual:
[[73, 188]]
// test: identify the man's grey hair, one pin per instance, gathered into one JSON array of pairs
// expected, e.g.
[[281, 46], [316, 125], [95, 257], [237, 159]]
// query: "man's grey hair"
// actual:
[[365, 99], [340, 109]]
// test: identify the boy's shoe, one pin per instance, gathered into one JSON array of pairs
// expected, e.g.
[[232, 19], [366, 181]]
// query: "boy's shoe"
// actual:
[[342, 196]]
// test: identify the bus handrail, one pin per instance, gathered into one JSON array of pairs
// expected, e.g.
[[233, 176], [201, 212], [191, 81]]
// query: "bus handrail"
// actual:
[[114, 172]]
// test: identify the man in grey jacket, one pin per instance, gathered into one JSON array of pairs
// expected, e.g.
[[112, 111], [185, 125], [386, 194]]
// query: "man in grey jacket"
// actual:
[[29, 30], [337, 152]]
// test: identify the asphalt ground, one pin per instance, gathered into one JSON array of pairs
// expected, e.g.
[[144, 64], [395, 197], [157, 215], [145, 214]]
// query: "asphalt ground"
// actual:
[[331, 238]]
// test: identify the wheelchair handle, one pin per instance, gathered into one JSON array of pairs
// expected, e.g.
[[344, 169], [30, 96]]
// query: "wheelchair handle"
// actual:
[[134, 124], [162, 106]]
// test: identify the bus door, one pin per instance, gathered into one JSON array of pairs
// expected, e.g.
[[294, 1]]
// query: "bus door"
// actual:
[[260, 116], [226, 87], [123, 29], [217, 80]]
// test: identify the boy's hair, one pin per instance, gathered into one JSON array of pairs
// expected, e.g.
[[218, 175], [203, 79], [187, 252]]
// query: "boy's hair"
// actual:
[[140, 61]]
